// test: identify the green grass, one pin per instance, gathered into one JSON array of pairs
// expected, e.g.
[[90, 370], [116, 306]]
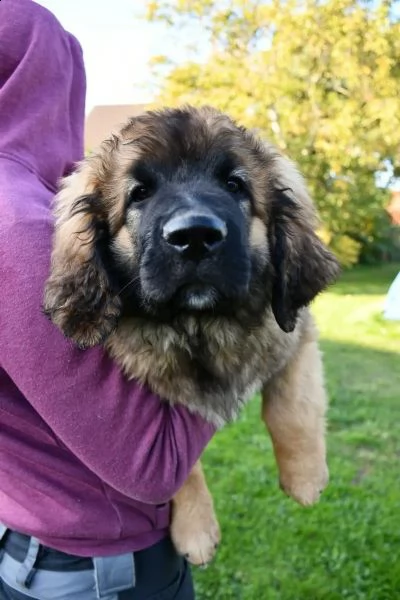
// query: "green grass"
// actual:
[[348, 546]]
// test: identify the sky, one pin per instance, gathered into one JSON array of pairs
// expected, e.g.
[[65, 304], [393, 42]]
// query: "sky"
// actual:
[[117, 45]]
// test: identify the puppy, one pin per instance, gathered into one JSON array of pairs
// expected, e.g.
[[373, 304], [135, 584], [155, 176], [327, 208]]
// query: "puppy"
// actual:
[[187, 247]]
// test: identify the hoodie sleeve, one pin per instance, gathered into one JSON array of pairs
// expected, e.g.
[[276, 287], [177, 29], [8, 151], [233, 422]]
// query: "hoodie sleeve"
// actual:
[[139, 445]]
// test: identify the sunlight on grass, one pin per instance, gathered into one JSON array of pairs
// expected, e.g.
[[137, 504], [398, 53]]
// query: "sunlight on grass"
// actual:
[[357, 316], [347, 546]]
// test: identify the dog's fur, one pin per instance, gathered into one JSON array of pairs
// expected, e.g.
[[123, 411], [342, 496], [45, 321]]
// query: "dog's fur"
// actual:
[[207, 333]]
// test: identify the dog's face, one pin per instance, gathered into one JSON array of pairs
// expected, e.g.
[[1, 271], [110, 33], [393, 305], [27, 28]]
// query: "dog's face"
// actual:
[[183, 212], [187, 219]]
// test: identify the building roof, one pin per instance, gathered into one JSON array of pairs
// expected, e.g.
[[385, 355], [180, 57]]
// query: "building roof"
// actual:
[[104, 119]]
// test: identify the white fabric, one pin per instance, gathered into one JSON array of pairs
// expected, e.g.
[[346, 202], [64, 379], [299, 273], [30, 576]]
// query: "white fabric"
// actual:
[[391, 310]]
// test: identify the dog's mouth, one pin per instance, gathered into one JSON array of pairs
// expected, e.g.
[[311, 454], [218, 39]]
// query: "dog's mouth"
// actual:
[[170, 285], [197, 296]]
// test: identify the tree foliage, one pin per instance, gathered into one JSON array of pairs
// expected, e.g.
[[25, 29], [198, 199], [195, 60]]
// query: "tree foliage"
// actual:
[[319, 78]]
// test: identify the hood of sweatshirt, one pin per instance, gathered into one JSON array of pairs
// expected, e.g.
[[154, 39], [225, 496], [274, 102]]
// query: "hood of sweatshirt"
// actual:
[[42, 91]]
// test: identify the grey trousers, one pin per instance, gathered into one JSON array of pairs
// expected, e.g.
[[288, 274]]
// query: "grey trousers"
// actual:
[[111, 578]]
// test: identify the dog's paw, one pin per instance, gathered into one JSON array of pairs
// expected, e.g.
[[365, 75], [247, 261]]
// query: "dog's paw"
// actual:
[[195, 533], [305, 485]]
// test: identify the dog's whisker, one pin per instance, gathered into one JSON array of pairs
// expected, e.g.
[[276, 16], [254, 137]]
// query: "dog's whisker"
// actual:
[[130, 282]]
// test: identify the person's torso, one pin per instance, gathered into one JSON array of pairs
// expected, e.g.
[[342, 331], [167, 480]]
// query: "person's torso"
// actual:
[[46, 492]]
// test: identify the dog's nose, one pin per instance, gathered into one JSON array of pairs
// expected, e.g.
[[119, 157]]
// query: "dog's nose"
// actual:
[[195, 235]]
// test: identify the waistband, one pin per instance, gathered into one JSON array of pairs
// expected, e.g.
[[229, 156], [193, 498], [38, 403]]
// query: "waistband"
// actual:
[[112, 573], [17, 546]]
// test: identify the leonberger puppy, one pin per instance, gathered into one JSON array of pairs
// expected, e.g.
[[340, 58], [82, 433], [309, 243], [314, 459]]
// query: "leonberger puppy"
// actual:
[[187, 247]]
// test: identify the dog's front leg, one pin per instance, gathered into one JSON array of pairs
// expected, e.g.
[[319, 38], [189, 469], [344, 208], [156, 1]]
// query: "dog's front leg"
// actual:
[[294, 406], [194, 528]]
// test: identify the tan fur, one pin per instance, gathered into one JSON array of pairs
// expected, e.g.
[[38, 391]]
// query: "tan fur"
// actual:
[[124, 246], [194, 526], [294, 405], [286, 367], [72, 239], [156, 356]]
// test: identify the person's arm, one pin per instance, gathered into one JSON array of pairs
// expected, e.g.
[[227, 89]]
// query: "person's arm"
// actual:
[[132, 440]]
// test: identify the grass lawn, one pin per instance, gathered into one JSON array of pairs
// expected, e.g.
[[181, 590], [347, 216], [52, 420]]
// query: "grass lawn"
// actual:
[[348, 546]]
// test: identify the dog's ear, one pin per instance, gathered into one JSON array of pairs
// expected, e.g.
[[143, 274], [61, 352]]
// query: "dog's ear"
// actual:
[[302, 265], [78, 297]]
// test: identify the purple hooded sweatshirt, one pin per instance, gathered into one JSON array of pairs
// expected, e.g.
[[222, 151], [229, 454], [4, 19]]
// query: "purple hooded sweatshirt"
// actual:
[[88, 460]]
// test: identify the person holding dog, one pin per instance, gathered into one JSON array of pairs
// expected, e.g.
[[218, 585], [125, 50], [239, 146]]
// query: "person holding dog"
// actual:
[[89, 461]]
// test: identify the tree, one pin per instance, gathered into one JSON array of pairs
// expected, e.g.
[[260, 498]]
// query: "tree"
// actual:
[[319, 78]]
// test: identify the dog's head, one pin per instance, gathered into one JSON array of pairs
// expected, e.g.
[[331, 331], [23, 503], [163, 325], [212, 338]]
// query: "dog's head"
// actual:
[[182, 212]]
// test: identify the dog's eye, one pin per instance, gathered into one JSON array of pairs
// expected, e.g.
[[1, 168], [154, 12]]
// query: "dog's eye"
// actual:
[[138, 193], [234, 185]]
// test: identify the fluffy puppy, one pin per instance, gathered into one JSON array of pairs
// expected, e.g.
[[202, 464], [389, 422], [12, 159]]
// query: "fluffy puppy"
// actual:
[[187, 247]]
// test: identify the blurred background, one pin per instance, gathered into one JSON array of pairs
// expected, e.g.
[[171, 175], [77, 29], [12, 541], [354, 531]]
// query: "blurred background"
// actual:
[[321, 79]]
